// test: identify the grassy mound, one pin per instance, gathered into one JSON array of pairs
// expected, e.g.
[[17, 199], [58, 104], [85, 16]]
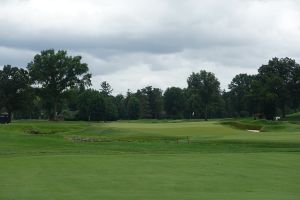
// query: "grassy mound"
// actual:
[[261, 125], [243, 125], [295, 117]]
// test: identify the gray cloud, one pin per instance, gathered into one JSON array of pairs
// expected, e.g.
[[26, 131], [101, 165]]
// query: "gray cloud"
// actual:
[[152, 38]]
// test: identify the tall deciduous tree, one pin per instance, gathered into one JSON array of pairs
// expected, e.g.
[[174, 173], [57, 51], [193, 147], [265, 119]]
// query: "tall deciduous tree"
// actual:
[[14, 85], [263, 96], [174, 102], [206, 86], [295, 87], [240, 88], [91, 105], [56, 72], [279, 75]]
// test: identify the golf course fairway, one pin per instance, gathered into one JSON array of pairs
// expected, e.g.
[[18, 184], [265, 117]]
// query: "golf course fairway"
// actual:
[[149, 160]]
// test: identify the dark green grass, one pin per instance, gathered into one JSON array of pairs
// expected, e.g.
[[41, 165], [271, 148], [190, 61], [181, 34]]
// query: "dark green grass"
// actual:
[[149, 160], [294, 118]]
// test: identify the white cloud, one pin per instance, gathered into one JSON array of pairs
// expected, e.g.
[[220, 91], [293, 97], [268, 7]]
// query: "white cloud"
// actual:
[[15, 57], [162, 71], [135, 43]]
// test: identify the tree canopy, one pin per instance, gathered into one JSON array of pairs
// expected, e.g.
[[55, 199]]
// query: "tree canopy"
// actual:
[[57, 86], [56, 72], [206, 86], [174, 102], [278, 78], [14, 88]]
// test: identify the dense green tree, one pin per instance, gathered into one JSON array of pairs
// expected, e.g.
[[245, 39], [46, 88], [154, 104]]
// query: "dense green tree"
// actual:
[[14, 89], [55, 72], [145, 110], [111, 110], [217, 107], [207, 87], [60, 84], [72, 98], [120, 102], [174, 102], [106, 88], [240, 87], [133, 108], [91, 105], [32, 108], [279, 77], [193, 106], [154, 100], [295, 87], [263, 96]]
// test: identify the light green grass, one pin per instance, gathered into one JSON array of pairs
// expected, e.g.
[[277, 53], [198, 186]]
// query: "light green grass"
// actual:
[[191, 176], [149, 160]]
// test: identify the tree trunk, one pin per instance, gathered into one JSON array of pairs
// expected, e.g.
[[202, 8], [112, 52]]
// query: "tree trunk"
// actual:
[[10, 116], [283, 111], [205, 114], [53, 116], [55, 111]]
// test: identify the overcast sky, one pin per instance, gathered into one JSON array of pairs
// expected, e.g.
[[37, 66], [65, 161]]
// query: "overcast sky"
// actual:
[[136, 43]]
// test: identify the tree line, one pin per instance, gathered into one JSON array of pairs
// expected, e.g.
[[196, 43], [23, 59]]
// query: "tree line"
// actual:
[[57, 86]]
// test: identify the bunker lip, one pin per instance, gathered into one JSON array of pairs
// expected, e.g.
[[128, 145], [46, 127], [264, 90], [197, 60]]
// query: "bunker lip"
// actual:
[[244, 126]]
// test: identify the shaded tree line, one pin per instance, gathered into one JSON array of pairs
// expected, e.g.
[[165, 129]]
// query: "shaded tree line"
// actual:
[[275, 90], [57, 86]]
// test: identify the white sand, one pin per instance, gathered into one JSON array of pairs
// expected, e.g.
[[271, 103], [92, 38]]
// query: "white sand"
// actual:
[[254, 131]]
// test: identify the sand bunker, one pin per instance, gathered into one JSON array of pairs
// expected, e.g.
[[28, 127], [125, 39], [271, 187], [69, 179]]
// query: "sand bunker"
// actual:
[[254, 131]]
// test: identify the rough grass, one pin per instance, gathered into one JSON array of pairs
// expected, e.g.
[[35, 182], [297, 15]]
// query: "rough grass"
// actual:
[[294, 117], [149, 160]]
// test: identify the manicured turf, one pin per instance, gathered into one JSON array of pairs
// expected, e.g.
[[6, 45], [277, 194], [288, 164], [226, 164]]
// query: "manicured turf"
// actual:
[[149, 160]]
